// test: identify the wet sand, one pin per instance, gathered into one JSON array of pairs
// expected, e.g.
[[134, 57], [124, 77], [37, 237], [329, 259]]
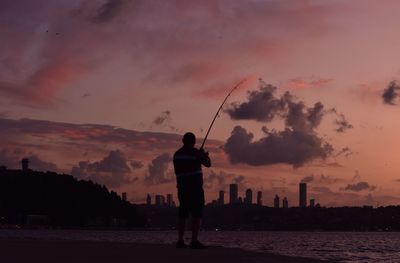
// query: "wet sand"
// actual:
[[30, 250]]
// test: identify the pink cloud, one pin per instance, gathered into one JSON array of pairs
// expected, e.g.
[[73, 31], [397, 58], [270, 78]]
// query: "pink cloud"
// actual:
[[303, 83], [167, 39]]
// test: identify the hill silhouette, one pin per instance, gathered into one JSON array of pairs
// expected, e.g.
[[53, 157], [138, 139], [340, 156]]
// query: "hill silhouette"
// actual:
[[32, 197]]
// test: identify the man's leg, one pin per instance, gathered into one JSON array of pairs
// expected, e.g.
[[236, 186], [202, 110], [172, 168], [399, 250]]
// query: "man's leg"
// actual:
[[196, 223], [197, 213], [183, 215], [181, 228]]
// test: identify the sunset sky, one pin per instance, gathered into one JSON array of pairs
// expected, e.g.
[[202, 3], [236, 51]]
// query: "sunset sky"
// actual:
[[104, 90]]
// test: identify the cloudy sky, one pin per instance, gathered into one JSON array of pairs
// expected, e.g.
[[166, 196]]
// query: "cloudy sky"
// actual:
[[104, 90]]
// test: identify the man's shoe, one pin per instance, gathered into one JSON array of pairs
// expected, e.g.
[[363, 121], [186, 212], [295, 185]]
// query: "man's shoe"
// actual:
[[197, 245], [181, 244]]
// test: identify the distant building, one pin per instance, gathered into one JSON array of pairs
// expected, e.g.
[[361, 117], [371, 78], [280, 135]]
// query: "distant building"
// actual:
[[285, 203], [25, 164], [148, 199], [249, 197], [124, 196], [169, 199], [259, 198], [302, 195], [160, 200], [276, 201], [221, 198], [312, 202], [233, 193]]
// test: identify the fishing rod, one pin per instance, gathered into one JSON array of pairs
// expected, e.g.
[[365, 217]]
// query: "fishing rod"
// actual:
[[219, 109]]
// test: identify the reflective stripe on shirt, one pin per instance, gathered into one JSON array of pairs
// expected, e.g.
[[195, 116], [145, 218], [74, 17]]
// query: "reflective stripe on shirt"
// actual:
[[185, 157], [188, 173]]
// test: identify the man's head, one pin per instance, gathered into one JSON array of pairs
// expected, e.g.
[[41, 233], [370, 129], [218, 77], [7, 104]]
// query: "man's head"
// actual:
[[189, 139]]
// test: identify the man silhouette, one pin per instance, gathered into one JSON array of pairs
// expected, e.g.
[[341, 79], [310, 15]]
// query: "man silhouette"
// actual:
[[189, 177]]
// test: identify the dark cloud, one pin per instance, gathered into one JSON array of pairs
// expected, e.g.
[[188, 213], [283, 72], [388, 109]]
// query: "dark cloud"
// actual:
[[292, 147], [108, 11], [115, 162], [315, 114], [299, 117], [329, 164], [341, 122], [346, 152], [159, 171], [264, 105], [86, 133], [360, 186], [221, 180], [238, 179], [112, 170], [12, 159], [297, 144], [261, 105], [165, 117], [165, 120], [136, 164], [215, 180], [390, 93], [35, 163], [66, 139], [308, 179]]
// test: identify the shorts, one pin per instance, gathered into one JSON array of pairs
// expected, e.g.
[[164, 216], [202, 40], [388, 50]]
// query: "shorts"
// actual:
[[191, 202]]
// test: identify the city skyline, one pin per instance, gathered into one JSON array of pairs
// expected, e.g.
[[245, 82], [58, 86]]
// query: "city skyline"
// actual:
[[247, 199], [234, 195]]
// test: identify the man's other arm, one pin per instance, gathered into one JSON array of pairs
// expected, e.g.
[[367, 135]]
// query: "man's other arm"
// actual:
[[205, 158]]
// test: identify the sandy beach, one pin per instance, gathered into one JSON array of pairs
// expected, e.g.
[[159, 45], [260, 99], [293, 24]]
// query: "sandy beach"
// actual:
[[30, 250]]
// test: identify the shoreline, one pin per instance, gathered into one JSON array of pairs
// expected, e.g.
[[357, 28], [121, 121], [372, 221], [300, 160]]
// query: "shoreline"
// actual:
[[150, 229], [61, 251]]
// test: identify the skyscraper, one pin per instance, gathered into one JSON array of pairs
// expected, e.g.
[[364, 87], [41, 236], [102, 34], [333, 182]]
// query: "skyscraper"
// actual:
[[160, 200], [124, 196], [302, 195], [276, 201], [233, 193], [221, 198], [285, 203], [25, 164], [148, 199], [249, 197], [312, 202], [259, 198], [169, 199]]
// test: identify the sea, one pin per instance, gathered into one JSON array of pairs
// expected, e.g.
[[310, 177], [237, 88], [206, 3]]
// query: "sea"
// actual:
[[332, 246]]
